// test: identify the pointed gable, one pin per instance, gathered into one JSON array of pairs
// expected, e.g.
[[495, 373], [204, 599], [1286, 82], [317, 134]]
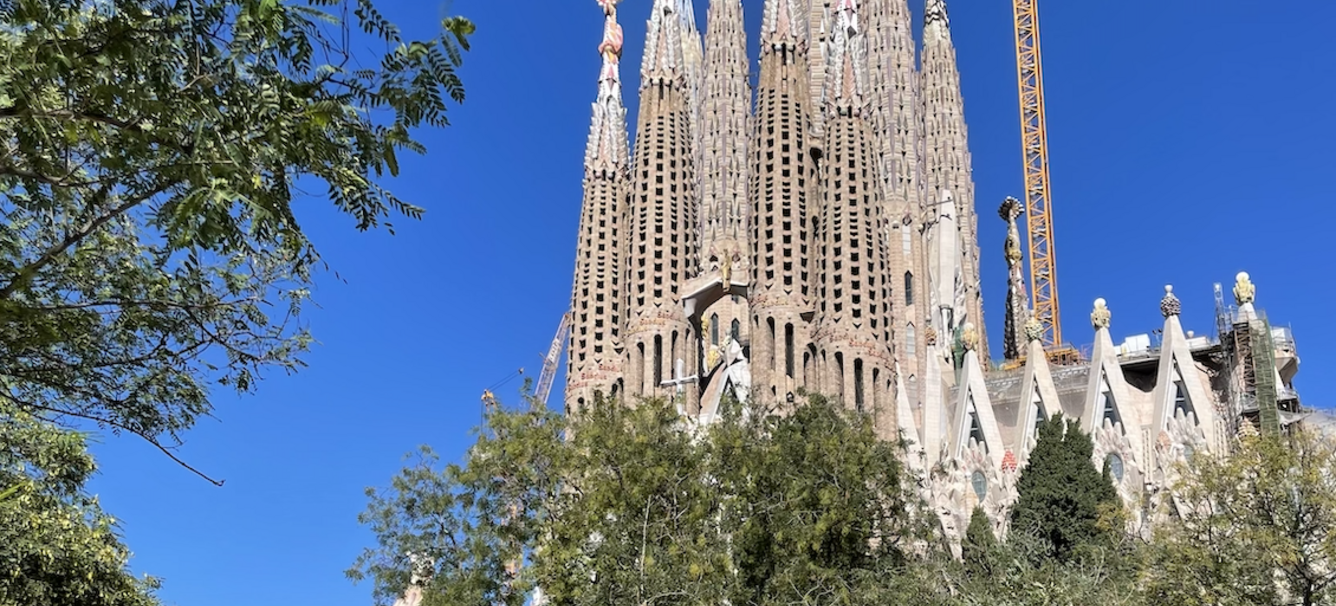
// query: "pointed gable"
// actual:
[[1039, 396], [1108, 398], [974, 414], [1180, 389]]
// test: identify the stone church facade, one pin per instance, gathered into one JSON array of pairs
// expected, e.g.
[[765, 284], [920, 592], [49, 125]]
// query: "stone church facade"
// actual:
[[817, 232]]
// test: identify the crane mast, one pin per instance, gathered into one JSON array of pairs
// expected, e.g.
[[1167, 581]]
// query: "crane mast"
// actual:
[[1034, 143], [544, 387]]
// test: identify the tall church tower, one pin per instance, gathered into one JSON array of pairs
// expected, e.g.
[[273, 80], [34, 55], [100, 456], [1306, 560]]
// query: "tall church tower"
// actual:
[[947, 160], [893, 78], [662, 215], [595, 359], [781, 186], [852, 336], [725, 115]]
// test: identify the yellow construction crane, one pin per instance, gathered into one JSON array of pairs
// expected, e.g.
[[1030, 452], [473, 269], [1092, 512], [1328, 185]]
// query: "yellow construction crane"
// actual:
[[1034, 144]]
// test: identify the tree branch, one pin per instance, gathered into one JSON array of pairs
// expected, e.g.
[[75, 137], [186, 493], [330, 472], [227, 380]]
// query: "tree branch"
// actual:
[[28, 271], [102, 421]]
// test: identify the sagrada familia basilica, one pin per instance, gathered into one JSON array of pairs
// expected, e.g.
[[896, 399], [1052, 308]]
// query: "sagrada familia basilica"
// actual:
[[816, 231]]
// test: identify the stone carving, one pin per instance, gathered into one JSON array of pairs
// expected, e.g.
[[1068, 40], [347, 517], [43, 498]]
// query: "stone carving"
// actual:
[[969, 336], [1034, 329], [1110, 439], [1011, 209], [1170, 305], [1101, 316], [1244, 290]]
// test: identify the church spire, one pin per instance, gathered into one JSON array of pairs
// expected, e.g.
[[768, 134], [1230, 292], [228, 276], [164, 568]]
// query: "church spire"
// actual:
[[664, 44], [661, 235], [607, 147], [947, 156], [781, 184], [594, 364], [852, 335], [1018, 312], [784, 23], [724, 112], [846, 79]]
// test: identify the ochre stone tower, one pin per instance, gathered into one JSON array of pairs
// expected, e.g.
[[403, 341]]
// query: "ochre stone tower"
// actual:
[[725, 114], [852, 336], [662, 213], [782, 187], [703, 248], [596, 298]]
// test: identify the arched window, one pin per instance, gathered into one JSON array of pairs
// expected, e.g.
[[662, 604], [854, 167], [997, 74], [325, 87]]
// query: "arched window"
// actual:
[[909, 288], [911, 340], [714, 330], [905, 240], [735, 330]]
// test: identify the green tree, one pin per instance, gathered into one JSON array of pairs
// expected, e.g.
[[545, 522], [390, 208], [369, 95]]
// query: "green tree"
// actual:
[[1022, 573], [150, 155], [979, 549], [1063, 500], [453, 531], [1255, 527], [635, 505], [817, 506], [56, 544]]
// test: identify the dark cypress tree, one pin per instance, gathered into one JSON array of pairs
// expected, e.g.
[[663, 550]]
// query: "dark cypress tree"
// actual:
[[979, 547], [1062, 494]]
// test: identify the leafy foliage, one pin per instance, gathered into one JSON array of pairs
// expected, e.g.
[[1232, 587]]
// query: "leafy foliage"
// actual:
[[453, 530], [1257, 527], [979, 549], [637, 507], [150, 154], [56, 544], [1062, 499]]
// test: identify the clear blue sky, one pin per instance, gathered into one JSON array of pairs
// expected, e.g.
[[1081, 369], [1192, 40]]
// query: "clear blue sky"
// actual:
[[1190, 140]]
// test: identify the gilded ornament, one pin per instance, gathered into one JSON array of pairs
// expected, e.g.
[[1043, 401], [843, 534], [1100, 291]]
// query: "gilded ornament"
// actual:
[[1244, 290], [1170, 305], [969, 336], [1101, 316]]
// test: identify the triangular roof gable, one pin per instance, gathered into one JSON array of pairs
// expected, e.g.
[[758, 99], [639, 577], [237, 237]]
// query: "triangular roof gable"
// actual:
[[973, 396], [1176, 363], [933, 431], [1106, 372], [904, 416], [1038, 383]]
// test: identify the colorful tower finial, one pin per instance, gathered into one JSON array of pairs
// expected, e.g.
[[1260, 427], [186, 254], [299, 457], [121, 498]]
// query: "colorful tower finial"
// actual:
[[607, 145]]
